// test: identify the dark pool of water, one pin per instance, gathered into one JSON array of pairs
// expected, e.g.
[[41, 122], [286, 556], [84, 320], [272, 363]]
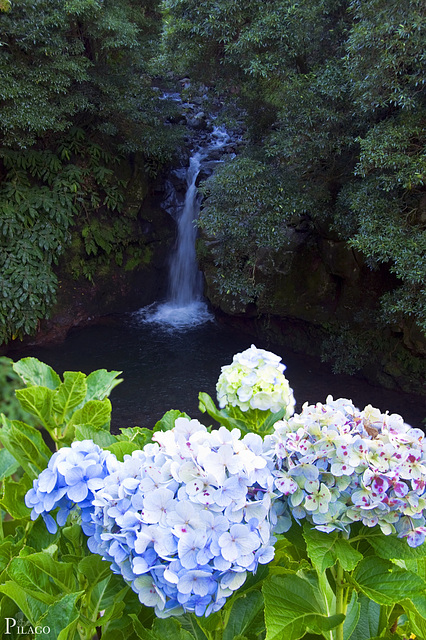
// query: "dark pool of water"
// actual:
[[164, 370]]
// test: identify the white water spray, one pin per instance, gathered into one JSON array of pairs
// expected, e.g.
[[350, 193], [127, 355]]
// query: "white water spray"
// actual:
[[185, 306]]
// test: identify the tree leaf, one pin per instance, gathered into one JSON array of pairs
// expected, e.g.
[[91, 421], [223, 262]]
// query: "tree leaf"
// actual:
[[139, 435], [386, 583], [41, 579], [36, 373], [292, 609], [32, 608]]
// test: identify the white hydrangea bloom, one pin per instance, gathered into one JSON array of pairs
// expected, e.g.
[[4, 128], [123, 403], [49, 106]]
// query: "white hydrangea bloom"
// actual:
[[255, 380]]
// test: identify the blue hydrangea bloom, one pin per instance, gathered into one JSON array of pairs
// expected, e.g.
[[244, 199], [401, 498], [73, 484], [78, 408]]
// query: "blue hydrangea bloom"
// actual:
[[71, 478], [185, 520]]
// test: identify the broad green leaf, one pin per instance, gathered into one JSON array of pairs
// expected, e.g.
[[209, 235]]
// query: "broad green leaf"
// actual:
[[99, 436], [61, 618], [27, 577], [61, 573], [8, 464], [139, 435], [100, 383], [36, 373], [26, 444], [325, 549], [368, 620], [70, 393], [94, 568], [8, 609], [346, 554], [13, 494], [352, 616], [167, 422], [141, 632], [189, 622], [32, 608], [39, 402], [386, 583], [120, 449], [243, 612], [292, 609], [393, 548], [320, 547], [95, 412], [169, 628], [221, 416]]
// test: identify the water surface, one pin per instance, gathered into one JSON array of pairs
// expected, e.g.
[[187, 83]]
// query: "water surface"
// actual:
[[164, 369]]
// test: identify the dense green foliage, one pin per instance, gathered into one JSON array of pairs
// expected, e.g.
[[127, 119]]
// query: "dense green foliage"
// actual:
[[76, 100], [334, 103]]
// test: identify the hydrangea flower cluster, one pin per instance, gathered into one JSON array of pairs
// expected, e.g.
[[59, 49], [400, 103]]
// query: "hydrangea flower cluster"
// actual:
[[255, 380], [337, 465], [71, 477], [185, 519]]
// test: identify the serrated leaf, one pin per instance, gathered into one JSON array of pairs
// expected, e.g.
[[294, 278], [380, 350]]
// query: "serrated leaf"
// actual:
[[94, 568], [70, 393], [243, 612], [385, 583], [352, 616], [32, 608], [26, 444], [291, 609], [8, 464], [36, 373], [120, 449], [95, 412], [368, 620], [99, 436], [26, 577], [61, 618], [393, 548], [221, 416], [13, 494], [100, 383], [139, 435], [39, 402], [325, 549], [167, 422]]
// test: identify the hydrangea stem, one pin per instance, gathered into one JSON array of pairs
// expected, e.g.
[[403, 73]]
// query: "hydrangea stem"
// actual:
[[340, 599]]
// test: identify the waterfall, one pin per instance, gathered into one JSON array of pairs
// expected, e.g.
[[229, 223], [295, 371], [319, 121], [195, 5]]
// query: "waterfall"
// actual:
[[185, 281], [185, 306]]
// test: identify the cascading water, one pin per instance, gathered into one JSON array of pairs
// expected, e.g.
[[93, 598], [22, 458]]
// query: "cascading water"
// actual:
[[185, 306]]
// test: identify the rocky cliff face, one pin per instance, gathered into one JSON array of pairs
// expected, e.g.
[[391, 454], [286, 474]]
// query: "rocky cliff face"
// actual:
[[320, 297]]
